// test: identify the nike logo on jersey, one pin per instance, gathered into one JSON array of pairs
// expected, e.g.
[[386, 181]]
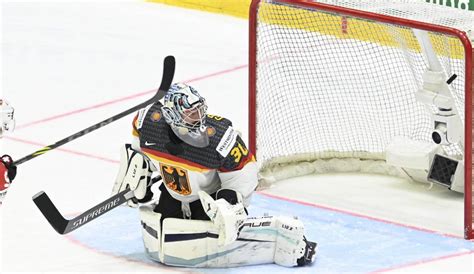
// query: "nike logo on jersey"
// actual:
[[149, 144]]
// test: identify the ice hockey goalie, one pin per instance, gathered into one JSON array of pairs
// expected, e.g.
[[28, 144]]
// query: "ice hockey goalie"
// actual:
[[208, 177]]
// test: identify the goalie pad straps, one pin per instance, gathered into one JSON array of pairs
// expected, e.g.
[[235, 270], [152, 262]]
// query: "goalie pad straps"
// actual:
[[194, 243]]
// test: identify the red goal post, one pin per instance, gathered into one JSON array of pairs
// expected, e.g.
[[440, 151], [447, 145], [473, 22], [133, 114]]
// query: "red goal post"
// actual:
[[271, 33]]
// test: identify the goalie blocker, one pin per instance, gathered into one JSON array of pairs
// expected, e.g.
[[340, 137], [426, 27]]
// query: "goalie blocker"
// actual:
[[194, 243]]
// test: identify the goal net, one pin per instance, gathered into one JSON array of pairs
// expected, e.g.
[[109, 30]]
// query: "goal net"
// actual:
[[334, 83]]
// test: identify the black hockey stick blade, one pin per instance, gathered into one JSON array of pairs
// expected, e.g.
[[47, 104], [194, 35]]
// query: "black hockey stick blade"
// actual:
[[169, 65], [63, 225], [50, 212]]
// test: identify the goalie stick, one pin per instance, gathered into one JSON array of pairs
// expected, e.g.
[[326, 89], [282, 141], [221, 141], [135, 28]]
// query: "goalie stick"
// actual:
[[166, 80], [64, 226]]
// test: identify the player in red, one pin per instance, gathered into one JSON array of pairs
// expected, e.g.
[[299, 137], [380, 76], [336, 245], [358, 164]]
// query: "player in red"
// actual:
[[7, 169]]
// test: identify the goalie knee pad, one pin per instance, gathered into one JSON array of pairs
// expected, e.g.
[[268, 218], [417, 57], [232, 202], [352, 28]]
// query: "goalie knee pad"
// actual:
[[151, 231]]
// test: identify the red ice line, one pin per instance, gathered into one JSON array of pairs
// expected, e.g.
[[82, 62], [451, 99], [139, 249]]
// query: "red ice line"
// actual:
[[420, 262], [262, 193], [79, 153], [103, 105], [357, 215], [124, 98], [423, 262], [83, 109], [158, 267]]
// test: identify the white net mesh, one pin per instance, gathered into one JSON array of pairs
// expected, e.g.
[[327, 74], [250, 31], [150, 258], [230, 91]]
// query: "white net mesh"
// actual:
[[333, 89], [417, 10], [336, 86]]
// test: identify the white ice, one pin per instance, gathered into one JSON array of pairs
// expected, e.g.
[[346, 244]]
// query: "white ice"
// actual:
[[61, 57]]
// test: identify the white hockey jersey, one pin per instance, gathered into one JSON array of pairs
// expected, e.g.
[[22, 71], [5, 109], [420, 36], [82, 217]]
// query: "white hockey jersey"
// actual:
[[225, 163]]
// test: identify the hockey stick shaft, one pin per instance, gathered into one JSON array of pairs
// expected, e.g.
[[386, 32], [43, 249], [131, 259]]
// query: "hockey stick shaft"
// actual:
[[64, 226], [166, 80]]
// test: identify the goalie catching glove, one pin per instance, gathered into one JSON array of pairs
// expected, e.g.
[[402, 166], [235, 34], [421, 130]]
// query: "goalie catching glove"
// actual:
[[227, 213], [135, 174]]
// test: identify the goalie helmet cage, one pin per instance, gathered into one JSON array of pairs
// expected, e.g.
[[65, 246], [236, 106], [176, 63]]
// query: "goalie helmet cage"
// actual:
[[335, 82]]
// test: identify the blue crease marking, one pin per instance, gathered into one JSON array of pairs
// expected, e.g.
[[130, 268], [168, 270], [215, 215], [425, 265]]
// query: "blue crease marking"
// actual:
[[347, 243]]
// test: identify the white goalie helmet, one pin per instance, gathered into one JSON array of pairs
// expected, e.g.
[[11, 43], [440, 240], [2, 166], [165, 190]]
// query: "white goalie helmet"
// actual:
[[7, 120], [185, 111]]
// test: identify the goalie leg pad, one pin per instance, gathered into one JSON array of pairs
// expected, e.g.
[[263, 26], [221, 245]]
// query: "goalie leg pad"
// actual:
[[151, 232], [262, 240], [194, 243], [187, 242]]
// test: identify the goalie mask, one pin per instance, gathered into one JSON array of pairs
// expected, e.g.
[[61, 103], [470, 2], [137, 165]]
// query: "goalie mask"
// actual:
[[185, 111]]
